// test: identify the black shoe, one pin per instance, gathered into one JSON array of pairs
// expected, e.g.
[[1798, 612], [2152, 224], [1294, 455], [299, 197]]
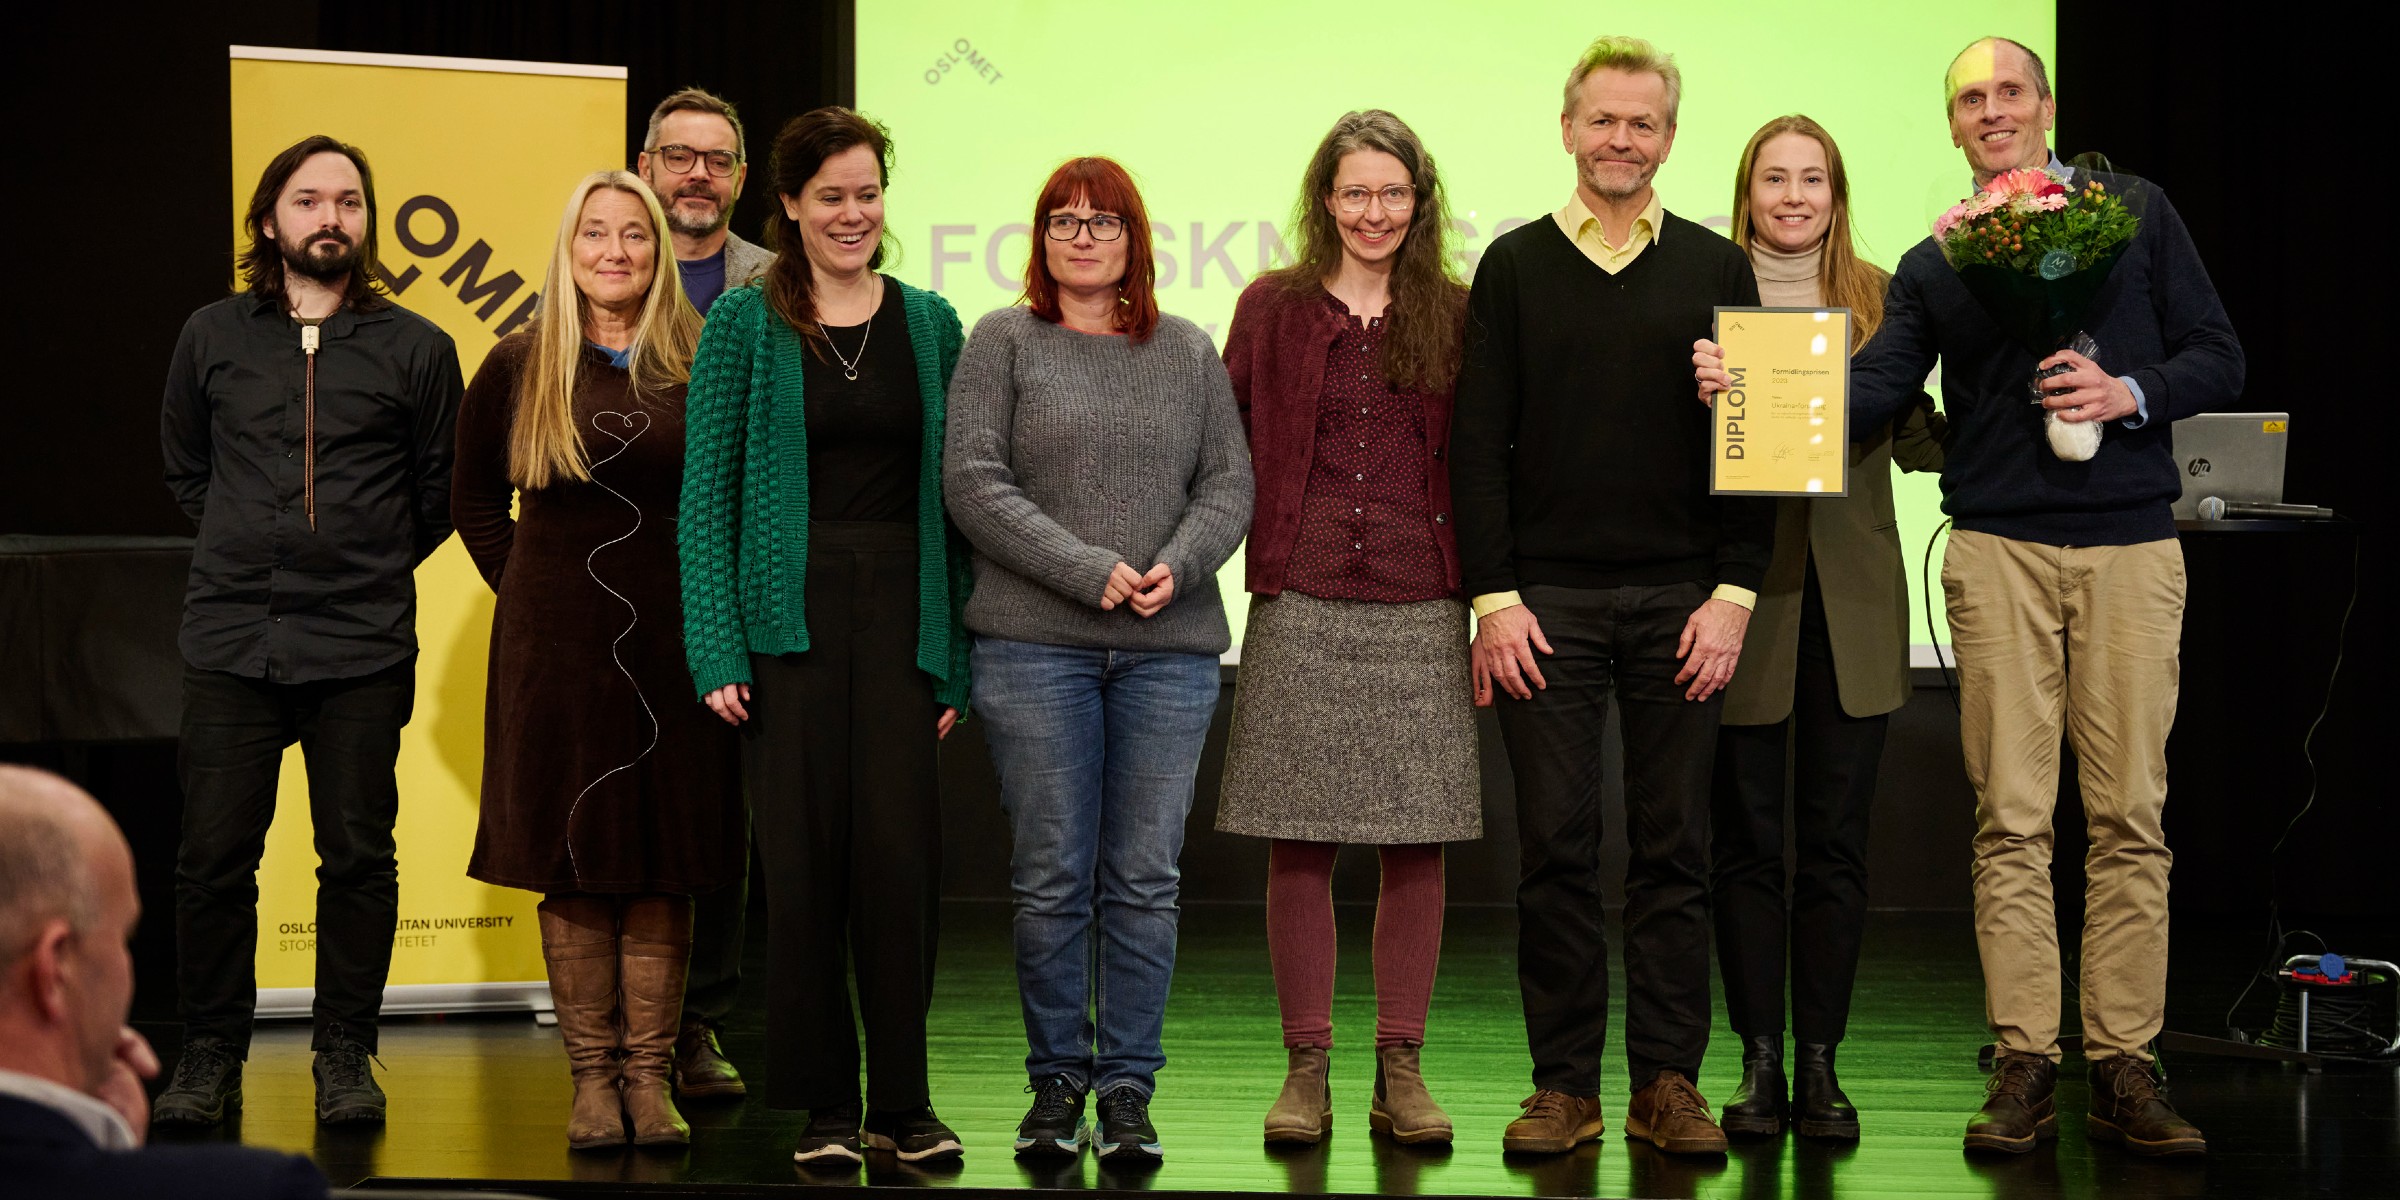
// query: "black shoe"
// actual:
[[346, 1089], [831, 1137], [1818, 1105], [1054, 1125], [915, 1135], [1125, 1131], [1757, 1106], [207, 1085]]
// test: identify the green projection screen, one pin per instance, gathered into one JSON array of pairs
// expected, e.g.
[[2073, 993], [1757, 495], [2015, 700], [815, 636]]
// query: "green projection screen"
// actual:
[[1215, 107]]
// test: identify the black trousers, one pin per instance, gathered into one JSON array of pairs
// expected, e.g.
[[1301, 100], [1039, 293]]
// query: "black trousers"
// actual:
[[720, 920], [1830, 763], [839, 759], [1616, 642], [235, 731]]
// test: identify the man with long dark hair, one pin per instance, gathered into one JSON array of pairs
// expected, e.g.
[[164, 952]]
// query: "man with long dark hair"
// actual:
[[306, 429]]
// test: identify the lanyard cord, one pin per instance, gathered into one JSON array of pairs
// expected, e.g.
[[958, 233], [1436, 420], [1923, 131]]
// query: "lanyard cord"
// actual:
[[308, 427]]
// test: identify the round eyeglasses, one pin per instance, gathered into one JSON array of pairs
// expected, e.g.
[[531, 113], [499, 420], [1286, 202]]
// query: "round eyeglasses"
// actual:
[[1395, 199], [1105, 227], [679, 159]]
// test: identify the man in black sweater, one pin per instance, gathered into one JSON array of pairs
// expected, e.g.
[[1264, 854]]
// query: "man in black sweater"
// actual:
[[2065, 586], [1579, 469]]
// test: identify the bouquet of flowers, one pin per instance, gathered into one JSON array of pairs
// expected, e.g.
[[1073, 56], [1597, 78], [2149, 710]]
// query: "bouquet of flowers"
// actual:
[[2034, 250]]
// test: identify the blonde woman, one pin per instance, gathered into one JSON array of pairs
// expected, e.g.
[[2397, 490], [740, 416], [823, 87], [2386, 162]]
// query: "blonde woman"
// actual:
[[603, 788], [1824, 664]]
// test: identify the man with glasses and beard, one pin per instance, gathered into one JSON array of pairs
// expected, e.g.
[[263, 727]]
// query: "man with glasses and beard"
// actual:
[[306, 429], [694, 157]]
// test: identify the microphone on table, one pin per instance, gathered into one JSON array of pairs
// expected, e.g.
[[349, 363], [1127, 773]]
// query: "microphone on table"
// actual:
[[2214, 509]]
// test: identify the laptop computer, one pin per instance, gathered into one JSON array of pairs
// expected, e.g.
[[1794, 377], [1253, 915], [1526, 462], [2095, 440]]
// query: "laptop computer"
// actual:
[[2236, 457]]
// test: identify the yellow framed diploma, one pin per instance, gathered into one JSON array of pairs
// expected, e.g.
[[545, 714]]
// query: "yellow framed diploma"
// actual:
[[1783, 429]]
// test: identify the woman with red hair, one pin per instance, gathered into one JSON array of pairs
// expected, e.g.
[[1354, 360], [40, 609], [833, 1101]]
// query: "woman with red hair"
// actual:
[[1096, 462]]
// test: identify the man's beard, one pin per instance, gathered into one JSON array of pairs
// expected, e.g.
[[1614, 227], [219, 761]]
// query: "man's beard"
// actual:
[[306, 257], [1592, 180], [691, 228]]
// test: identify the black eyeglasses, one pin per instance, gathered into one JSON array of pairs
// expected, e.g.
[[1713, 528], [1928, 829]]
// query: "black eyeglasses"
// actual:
[[679, 159], [1105, 227], [1396, 198]]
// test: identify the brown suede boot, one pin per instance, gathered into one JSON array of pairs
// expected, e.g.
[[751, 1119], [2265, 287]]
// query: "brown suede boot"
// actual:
[[655, 948], [1402, 1109], [2020, 1105], [1669, 1113], [2130, 1107], [579, 944], [1305, 1109]]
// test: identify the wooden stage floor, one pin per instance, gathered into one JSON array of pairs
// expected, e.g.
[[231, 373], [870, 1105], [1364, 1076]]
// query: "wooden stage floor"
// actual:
[[485, 1099]]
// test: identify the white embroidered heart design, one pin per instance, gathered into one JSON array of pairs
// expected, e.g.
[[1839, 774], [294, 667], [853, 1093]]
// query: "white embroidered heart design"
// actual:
[[633, 425]]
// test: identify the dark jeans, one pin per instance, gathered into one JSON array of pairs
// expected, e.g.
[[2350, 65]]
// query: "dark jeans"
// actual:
[[1832, 760], [839, 759], [1621, 642], [719, 923], [235, 731]]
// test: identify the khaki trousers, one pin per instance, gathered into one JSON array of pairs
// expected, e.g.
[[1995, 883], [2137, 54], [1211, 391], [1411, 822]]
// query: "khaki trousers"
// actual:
[[2082, 640]]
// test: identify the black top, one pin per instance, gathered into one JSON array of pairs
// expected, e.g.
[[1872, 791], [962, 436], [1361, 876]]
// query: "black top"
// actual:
[[865, 435], [269, 597], [2157, 320], [45, 1156], [1579, 450]]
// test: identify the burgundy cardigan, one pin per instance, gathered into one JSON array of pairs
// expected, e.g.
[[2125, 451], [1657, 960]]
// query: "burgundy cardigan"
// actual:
[[1275, 352]]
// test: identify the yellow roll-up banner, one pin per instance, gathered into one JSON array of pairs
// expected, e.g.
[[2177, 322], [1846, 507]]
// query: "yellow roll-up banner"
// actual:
[[473, 161]]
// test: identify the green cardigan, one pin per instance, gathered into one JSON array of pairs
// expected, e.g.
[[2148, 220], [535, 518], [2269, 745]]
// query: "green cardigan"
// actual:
[[743, 533]]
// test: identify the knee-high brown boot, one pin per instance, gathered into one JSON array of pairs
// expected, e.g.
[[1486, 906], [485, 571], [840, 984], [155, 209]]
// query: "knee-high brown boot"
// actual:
[[579, 943], [655, 948]]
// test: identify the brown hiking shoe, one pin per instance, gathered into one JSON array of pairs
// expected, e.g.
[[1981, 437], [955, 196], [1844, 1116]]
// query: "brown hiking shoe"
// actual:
[[1554, 1123], [2128, 1106], [2020, 1105], [1670, 1113], [1304, 1110]]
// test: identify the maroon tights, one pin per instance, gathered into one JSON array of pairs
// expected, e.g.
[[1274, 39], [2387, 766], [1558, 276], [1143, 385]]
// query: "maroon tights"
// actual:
[[1300, 942]]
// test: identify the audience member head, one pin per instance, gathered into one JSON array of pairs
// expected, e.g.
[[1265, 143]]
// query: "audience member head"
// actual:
[[1618, 119], [1371, 196], [829, 170], [313, 214], [1092, 239], [695, 158], [1791, 194], [608, 267], [2001, 109], [67, 911]]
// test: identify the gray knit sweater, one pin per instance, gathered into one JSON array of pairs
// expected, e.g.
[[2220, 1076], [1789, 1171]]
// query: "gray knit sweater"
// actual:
[[1071, 452]]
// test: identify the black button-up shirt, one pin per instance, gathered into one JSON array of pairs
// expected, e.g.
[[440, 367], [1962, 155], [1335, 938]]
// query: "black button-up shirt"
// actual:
[[269, 597]]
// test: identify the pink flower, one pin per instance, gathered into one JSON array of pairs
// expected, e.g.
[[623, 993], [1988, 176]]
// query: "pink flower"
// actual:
[[2051, 201], [1942, 225], [2024, 181]]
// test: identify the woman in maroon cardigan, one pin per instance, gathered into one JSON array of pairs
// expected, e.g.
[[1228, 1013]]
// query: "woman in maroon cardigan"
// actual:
[[1351, 723]]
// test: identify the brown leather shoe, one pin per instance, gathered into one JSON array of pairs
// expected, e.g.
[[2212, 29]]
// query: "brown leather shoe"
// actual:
[[2020, 1105], [579, 947], [1401, 1108], [2128, 1106], [701, 1070], [1669, 1113], [653, 948], [1554, 1123], [1304, 1110]]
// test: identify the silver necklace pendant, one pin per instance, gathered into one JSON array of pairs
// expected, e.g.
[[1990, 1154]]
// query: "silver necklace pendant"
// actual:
[[850, 373], [849, 366]]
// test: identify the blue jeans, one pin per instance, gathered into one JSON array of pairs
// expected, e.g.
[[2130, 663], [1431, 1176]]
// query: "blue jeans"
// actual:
[[1096, 751]]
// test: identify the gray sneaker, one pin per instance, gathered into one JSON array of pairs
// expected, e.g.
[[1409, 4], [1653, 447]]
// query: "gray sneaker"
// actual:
[[206, 1086], [346, 1089]]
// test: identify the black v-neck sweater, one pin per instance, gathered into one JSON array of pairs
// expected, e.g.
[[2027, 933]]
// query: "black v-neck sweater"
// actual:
[[1579, 451]]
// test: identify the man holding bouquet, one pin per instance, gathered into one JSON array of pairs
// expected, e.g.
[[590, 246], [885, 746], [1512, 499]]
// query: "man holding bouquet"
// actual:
[[2065, 586]]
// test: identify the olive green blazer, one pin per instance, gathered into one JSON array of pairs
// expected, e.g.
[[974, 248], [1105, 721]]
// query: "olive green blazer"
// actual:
[[1856, 542]]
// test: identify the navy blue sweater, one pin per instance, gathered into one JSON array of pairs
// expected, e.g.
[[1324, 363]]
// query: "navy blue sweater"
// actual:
[[2157, 320]]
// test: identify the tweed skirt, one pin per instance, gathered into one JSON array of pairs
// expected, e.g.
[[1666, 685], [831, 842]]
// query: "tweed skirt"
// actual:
[[1353, 721]]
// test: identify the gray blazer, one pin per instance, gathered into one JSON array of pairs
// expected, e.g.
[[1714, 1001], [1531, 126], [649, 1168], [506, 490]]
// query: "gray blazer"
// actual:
[[744, 261]]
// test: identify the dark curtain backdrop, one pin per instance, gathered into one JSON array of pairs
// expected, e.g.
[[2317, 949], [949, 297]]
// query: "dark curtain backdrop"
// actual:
[[122, 187]]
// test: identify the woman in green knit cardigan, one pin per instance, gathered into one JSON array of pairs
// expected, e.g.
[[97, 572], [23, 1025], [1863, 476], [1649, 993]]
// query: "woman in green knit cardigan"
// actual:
[[821, 589]]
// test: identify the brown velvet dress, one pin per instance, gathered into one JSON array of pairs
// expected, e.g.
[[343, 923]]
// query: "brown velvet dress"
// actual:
[[601, 773]]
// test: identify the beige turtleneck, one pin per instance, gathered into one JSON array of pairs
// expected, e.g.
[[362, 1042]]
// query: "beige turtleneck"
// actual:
[[1788, 280]]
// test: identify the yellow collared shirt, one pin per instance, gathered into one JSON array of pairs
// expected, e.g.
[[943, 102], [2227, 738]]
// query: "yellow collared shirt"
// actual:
[[1583, 229]]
